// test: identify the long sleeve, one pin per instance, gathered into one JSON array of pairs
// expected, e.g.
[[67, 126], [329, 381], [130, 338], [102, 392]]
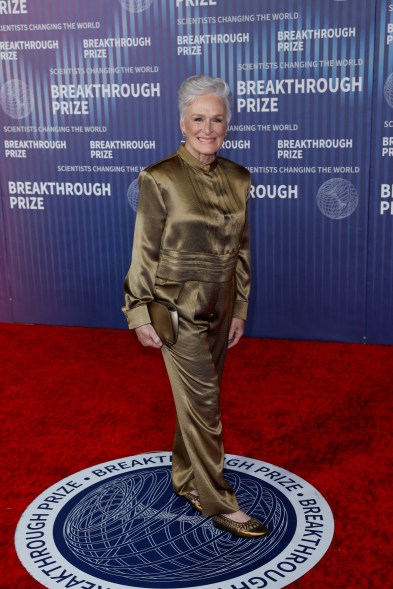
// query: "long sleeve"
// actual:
[[243, 274], [149, 226]]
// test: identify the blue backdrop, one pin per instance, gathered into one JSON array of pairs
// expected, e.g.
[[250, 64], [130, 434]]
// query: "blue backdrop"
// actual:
[[88, 99]]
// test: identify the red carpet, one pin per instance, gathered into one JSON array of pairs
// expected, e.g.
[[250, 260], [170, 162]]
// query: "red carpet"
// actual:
[[75, 397]]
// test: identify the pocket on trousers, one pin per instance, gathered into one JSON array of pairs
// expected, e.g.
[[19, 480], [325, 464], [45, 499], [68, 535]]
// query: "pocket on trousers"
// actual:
[[183, 295], [167, 290]]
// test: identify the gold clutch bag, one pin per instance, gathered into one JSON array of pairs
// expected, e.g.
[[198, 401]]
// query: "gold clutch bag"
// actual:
[[165, 320]]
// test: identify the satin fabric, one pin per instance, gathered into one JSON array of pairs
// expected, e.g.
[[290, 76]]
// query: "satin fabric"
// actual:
[[191, 248]]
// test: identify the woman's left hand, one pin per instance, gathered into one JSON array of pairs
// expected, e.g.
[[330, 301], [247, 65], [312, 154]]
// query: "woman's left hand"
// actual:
[[235, 332]]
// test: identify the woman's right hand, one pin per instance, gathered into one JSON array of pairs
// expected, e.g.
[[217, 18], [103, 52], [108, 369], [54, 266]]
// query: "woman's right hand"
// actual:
[[147, 336]]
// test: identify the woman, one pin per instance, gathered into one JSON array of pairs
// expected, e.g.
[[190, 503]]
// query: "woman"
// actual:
[[191, 248]]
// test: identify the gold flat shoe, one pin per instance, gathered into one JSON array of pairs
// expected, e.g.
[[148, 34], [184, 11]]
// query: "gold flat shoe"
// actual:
[[250, 529], [193, 500]]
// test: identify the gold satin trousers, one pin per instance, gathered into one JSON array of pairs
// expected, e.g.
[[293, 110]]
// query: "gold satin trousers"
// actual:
[[195, 366]]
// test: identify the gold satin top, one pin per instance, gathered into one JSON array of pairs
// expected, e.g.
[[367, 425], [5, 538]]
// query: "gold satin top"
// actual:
[[191, 224]]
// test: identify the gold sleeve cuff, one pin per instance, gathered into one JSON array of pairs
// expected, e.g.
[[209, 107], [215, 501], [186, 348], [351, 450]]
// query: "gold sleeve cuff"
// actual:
[[240, 310], [137, 316]]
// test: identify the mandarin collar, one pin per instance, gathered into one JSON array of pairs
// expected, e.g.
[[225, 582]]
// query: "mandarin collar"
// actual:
[[194, 162]]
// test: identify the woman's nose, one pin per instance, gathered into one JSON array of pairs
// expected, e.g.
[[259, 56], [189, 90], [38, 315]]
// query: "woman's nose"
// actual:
[[207, 127]]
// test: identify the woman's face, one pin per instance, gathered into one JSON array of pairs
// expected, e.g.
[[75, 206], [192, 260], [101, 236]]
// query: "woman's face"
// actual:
[[205, 126]]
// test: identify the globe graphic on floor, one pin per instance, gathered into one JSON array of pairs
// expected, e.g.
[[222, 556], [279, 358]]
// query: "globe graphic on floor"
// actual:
[[337, 198], [17, 99], [133, 529]]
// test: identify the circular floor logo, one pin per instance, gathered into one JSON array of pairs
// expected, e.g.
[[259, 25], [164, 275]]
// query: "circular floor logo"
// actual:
[[119, 525]]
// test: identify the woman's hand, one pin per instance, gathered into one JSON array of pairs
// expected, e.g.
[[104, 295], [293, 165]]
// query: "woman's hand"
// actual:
[[235, 332], [147, 336]]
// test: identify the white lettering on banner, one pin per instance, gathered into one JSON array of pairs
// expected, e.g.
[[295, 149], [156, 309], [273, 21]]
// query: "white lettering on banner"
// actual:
[[236, 18], [300, 86], [21, 129], [290, 86], [283, 127], [386, 190], [105, 90], [76, 107], [9, 28], [34, 144], [29, 45], [138, 69], [117, 42], [242, 128], [30, 195], [213, 38], [387, 149], [314, 143], [289, 46], [111, 169], [192, 44], [298, 64], [308, 34], [117, 144], [13, 6], [297, 170], [18, 149], [32, 203], [57, 26], [257, 104], [283, 16], [389, 38], [293, 148], [65, 129], [104, 149], [286, 65], [262, 169], [223, 19], [386, 193], [98, 47], [198, 20], [8, 56], [236, 144], [60, 188], [88, 25], [269, 65], [274, 191], [74, 169], [196, 3], [81, 107]]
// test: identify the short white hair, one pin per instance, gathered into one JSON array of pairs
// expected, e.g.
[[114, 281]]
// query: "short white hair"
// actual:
[[196, 86]]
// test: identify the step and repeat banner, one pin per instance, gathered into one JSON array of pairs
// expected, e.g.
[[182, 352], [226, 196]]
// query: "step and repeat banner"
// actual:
[[88, 96], [380, 244]]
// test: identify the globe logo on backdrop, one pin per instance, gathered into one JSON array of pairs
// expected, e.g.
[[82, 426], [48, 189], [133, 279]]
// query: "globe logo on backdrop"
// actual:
[[119, 525], [17, 99], [337, 198], [136, 5], [133, 194], [388, 90]]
